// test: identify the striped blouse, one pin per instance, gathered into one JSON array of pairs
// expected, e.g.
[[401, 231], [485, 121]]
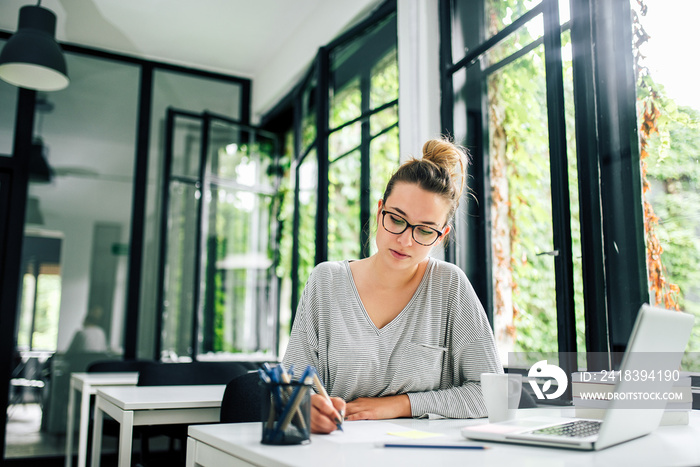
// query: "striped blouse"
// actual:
[[435, 349]]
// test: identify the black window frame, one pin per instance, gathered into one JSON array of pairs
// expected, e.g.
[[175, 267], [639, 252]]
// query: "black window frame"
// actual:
[[611, 217]]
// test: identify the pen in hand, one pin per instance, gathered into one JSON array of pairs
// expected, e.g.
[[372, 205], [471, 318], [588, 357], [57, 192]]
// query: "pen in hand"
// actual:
[[324, 394]]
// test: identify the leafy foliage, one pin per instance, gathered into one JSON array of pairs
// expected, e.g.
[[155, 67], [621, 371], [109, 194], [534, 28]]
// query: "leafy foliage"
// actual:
[[524, 282], [669, 152]]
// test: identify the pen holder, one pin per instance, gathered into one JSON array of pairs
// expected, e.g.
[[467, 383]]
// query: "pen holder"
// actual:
[[286, 413]]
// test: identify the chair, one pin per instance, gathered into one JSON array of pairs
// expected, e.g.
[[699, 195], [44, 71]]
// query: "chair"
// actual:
[[243, 399], [194, 373], [118, 366]]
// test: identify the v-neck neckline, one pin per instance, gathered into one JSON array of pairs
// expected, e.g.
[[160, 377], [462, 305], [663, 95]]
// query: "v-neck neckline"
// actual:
[[403, 310]]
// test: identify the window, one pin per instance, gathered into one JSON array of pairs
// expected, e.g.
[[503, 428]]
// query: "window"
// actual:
[[554, 245], [528, 164], [219, 289], [41, 293], [669, 129], [363, 139], [190, 94], [342, 140]]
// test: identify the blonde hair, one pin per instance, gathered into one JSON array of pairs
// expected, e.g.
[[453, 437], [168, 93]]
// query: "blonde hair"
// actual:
[[441, 170]]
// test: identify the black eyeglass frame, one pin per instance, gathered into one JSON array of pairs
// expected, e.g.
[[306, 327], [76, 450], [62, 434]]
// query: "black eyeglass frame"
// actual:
[[413, 228]]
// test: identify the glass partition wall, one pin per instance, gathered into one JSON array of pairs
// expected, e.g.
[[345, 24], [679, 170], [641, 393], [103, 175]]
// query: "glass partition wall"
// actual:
[[90, 176]]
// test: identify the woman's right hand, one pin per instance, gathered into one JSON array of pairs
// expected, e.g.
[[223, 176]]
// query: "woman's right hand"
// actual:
[[324, 414]]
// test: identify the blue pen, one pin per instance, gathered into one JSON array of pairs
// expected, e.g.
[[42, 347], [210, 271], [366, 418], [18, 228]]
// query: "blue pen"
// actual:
[[434, 446]]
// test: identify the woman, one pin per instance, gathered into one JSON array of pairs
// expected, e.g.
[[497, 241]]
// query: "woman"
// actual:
[[398, 334]]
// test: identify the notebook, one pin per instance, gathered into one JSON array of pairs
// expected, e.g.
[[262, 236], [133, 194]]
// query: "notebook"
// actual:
[[658, 333]]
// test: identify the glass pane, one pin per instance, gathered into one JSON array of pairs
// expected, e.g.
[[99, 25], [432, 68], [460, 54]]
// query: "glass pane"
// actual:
[[308, 115], [669, 121], [239, 315], [286, 220], [381, 121], [77, 233], [179, 304], [531, 31], [384, 86], [240, 155], [194, 94], [364, 72], [48, 297], [500, 14], [41, 294], [344, 208], [187, 147], [345, 102], [344, 141], [384, 160], [8, 109], [523, 270], [308, 202], [87, 197], [239, 285]]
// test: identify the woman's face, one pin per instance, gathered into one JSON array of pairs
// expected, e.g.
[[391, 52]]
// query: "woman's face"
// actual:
[[416, 206]]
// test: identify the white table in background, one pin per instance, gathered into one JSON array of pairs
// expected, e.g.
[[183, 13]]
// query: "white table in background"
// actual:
[[239, 444], [152, 405], [86, 384]]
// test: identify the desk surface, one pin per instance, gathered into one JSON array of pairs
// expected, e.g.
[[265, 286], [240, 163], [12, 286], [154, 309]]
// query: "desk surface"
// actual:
[[163, 397], [80, 380], [359, 445]]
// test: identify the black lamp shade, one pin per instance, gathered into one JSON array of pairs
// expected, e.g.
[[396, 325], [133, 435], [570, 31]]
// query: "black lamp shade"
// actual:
[[31, 58]]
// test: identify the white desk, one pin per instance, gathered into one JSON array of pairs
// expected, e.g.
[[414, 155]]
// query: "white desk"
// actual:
[[239, 444], [152, 405], [86, 384]]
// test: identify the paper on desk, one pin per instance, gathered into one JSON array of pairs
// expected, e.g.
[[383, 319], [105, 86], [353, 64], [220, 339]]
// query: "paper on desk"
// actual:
[[367, 431], [414, 434]]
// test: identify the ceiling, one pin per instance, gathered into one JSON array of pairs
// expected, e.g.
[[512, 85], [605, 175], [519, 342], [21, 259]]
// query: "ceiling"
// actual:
[[256, 39]]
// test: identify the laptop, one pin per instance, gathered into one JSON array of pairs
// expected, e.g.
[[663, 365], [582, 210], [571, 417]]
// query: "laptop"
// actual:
[[657, 342]]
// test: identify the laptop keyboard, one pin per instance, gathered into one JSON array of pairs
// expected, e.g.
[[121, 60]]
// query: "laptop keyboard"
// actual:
[[576, 429]]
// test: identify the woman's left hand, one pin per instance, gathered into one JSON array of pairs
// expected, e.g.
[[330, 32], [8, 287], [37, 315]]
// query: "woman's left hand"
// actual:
[[378, 408]]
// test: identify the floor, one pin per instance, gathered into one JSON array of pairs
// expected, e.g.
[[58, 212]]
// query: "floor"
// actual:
[[27, 445], [25, 439]]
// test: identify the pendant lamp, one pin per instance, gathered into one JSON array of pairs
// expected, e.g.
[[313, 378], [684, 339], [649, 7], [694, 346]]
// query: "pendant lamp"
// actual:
[[32, 58]]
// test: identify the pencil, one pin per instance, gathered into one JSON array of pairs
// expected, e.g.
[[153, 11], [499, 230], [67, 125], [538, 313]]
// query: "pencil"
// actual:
[[286, 379], [324, 394]]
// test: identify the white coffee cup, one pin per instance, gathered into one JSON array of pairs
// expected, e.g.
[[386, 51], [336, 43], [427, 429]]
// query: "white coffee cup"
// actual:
[[501, 395]]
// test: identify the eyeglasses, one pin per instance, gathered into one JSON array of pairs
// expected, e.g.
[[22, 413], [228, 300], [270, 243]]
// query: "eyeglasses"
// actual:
[[396, 225]]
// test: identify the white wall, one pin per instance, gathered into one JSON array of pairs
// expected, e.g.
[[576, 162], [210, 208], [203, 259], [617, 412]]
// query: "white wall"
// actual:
[[419, 74]]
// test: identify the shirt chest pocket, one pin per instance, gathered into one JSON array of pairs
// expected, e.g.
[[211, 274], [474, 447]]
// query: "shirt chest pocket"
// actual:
[[418, 368]]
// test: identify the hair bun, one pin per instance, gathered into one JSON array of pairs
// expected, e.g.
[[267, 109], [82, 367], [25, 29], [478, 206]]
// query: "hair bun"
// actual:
[[450, 157]]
